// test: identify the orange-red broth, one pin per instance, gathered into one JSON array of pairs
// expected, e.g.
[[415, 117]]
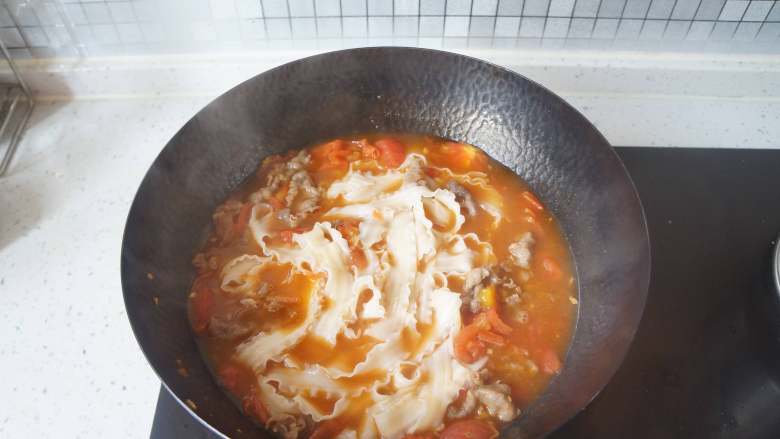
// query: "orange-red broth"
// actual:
[[541, 322]]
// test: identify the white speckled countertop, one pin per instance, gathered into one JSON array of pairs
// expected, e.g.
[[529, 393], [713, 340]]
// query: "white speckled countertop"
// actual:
[[70, 363]]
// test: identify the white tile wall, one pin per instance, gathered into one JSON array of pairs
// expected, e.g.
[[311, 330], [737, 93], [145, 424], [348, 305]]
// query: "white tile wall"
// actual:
[[710, 9], [652, 30], [676, 30], [353, 8], [301, 8], [629, 29], [327, 8], [747, 31], [484, 7], [222, 9], [561, 8], [354, 27], [587, 8], [482, 27], [380, 26], [380, 7], [510, 7], [556, 27], [531, 27], [121, 12], [431, 26], [507, 27], [774, 14], [455, 26], [275, 8], [328, 27], [733, 10], [278, 28], [612, 8], [769, 32], [458, 7], [605, 28], [685, 10], [536, 8], [304, 27], [54, 27], [757, 11], [406, 7], [637, 8], [723, 31], [660, 9], [406, 26], [97, 13], [432, 7]]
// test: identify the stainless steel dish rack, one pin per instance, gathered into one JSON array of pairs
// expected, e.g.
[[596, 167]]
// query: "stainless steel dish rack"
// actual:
[[16, 106]]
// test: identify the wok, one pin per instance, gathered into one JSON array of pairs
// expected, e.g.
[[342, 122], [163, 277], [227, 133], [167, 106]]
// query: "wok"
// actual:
[[518, 122]]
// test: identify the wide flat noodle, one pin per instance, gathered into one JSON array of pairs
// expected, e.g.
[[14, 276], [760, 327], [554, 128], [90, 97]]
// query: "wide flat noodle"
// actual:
[[410, 237], [373, 308], [391, 354], [265, 346], [421, 405], [326, 251], [279, 407], [240, 274], [260, 226], [313, 380], [358, 187], [403, 246]]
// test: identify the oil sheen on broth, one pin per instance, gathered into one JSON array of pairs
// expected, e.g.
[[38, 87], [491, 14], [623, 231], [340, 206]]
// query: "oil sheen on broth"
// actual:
[[383, 286]]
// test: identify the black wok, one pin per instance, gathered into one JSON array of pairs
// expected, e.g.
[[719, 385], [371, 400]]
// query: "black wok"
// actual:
[[519, 123]]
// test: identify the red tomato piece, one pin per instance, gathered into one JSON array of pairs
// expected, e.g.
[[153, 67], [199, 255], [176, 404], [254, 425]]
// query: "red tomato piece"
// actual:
[[460, 156], [469, 429], [332, 154], [228, 376], [466, 345], [497, 323], [253, 406], [370, 152], [391, 151], [491, 338]]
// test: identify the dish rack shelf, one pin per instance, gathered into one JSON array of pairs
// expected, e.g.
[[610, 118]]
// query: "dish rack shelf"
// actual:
[[15, 110]]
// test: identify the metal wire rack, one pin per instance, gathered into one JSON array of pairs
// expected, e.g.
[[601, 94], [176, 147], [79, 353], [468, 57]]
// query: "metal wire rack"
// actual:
[[15, 109]]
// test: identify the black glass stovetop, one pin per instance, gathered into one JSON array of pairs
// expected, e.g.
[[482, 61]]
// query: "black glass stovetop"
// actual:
[[704, 363]]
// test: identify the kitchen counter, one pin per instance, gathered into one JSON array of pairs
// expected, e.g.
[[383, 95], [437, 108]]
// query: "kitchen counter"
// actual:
[[70, 363]]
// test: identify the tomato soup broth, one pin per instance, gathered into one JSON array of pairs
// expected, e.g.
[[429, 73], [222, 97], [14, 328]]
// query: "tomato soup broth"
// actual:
[[499, 254]]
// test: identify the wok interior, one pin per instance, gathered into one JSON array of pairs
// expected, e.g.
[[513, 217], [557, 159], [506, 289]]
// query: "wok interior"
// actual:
[[517, 122]]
